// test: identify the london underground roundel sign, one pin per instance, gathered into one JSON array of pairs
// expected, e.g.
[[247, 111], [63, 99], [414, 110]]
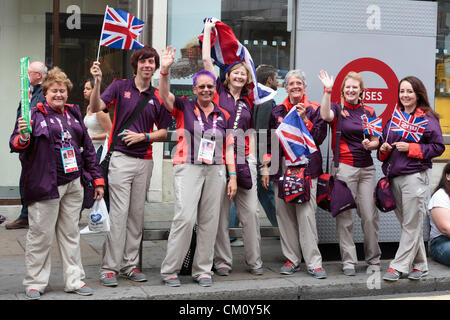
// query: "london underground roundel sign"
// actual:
[[386, 96]]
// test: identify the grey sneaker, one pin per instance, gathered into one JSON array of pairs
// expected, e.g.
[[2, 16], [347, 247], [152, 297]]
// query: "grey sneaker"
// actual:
[[289, 268], [349, 272], [223, 271], [135, 275], [109, 279], [318, 273], [257, 272], [32, 294], [205, 282], [84, 291], [416, 274], [172, 282], [392, 275]]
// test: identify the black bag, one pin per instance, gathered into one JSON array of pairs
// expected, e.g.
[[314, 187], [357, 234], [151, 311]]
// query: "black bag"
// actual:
[[104, 165], [88, 189], [186, 268], [244, 176]]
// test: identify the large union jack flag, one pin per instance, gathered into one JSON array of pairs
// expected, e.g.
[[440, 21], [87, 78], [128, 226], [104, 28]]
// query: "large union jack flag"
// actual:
[[372, 126], [227, 50], [120, 30], [295, 138], [410, 127]]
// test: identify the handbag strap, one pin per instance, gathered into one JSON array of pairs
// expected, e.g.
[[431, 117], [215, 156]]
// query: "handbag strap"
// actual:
[[140, 106], [327, 168], [338, 139]]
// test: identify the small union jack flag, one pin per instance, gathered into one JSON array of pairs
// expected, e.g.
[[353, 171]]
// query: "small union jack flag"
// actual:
[[120, 30], [295, 138], [372, 126], [410, 127]]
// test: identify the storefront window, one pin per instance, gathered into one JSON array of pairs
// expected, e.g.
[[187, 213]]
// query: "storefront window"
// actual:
[[261, 26], [442, 92]]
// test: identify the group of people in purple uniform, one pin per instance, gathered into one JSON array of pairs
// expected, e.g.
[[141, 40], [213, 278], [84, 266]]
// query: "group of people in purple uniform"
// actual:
[[215, 165]]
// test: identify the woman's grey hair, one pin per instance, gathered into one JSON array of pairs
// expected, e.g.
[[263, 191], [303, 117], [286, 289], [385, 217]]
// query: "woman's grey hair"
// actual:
[[297, 73]]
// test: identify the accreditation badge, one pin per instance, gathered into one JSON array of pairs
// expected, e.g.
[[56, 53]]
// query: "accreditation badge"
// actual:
[[206, 151], [69, 160]]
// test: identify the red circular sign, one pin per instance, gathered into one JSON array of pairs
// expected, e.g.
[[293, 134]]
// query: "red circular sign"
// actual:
[[371, 95]]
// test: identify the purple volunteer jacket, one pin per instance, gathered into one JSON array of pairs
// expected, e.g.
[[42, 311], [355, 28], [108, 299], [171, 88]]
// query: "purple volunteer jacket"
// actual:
[[316, 126], [40, 156], [420, 154]]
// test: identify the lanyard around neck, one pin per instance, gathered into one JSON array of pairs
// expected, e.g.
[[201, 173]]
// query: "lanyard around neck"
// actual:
[[200, 121], [238, 116]]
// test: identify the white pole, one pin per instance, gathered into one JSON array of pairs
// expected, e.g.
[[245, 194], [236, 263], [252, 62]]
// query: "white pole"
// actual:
[[103, 27], [390, 123]]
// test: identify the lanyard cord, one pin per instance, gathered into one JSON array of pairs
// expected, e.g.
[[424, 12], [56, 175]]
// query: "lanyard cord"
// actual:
[[238, 115], [202, 125]]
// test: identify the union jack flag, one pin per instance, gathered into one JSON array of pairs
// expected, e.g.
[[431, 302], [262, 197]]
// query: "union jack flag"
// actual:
[[120, 30], [372, 126], [227, 50], [410, 127], [295, 138]]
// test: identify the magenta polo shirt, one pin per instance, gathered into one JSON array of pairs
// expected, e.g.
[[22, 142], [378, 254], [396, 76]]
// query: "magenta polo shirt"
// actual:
[[187, 122], [351, 151], [125, 96]]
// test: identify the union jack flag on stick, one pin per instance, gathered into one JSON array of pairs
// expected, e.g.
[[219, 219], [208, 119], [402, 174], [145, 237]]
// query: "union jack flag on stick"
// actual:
[[410, 127], [120, 30], [372, 126], [295, 138]]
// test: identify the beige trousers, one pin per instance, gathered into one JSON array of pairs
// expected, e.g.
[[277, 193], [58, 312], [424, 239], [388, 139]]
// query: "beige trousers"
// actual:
[[246, 202], [411, 195], [49, 219], [129, 180], [298, 231], [361, 182], [198, 196]]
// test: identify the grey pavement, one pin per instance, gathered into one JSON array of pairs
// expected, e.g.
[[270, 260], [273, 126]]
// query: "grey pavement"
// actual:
[[239, 285]]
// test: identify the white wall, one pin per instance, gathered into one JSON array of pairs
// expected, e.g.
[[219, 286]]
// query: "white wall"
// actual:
[[22, 33]]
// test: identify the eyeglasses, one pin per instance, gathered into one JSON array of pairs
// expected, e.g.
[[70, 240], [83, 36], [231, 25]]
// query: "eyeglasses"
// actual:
[[203, 86]]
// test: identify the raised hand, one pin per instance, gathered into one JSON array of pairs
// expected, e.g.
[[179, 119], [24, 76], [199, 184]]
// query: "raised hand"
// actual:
[[326, 80], [209, 25], [167, 58], [96, 72]]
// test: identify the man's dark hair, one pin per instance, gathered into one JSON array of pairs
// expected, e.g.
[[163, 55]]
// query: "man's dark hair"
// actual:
[[264, 71], [144, 53]]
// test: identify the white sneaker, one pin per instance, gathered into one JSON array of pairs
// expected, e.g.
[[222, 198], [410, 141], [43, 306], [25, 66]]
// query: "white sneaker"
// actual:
[[237, 243]]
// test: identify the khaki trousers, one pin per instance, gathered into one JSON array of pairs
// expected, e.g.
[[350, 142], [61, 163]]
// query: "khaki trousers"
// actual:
[[361, 182], [129, 180], [411, 195], [49, 219], [298, 231], [198, 196], [246, 202]]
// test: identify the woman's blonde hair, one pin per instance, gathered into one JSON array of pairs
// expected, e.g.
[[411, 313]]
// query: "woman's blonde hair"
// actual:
[[355, 76], [246, 89], [56, 75]]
